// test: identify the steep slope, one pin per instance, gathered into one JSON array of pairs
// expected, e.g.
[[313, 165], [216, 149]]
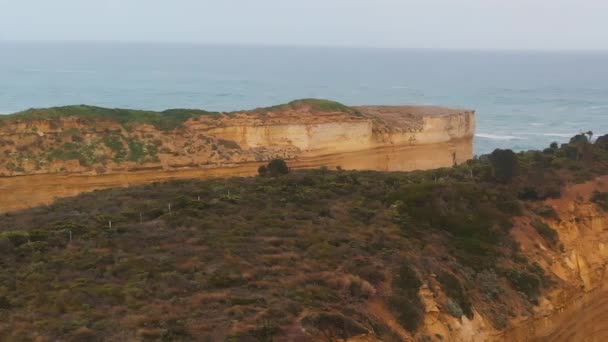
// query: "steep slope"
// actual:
[[64, 151], [477, 252]]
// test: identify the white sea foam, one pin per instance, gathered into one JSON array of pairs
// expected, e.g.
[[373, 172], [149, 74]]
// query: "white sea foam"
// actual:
[[536, 124], [498, 137], [559, 135]]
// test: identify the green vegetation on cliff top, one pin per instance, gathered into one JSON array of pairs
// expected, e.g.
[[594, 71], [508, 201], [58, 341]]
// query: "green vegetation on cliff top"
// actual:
[[256, 259], [165, 120]]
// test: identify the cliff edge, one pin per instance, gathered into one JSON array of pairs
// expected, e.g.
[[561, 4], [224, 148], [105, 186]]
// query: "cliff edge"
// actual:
[[63, 151]]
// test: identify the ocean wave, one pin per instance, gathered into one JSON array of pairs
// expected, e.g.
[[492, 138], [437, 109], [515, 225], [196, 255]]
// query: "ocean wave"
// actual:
[[559, 135], [536, 124], [498, 137]]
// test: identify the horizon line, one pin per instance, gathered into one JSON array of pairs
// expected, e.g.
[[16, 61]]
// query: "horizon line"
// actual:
[[304, 46]]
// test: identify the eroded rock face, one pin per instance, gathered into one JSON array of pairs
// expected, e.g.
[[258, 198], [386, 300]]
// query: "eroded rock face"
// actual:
[[575, 308], [68, 155]]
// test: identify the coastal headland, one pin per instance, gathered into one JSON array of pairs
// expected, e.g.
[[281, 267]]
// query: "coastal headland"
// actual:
[[63, 151]]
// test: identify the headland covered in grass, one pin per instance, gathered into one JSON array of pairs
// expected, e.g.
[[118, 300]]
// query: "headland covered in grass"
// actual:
[[164, 120]]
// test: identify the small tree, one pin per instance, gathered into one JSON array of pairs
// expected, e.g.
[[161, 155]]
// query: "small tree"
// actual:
[[504, 165], [602, 142], [580, 146], [277, 167], [262, 170]]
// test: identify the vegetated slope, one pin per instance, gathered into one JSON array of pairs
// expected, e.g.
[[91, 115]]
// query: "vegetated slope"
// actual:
[[95, 140], [325, 254]]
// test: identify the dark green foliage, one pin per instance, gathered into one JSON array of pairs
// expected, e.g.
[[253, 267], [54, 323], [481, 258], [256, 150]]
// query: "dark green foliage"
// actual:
[[4, 303], [17, 238], [601, 199], [333, 327], [504, 165], [548, 233], [460, 210], [277, 167], [265, 333], [525, 282], [602, 142], [579, 139], [262, 170], [454, 290], [579, 147], [547, 212], [405, 301]]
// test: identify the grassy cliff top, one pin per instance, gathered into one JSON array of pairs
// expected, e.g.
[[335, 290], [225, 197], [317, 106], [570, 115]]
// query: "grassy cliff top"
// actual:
[[254, 259], [314, 105], [165, 120]]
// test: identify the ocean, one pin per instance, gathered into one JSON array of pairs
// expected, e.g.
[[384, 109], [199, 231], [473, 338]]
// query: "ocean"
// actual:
[[524, 100]]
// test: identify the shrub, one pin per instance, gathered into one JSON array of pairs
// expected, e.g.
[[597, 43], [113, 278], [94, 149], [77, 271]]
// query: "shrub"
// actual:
[[453, 289], [17, 238], [504, 165], [601, 199], [333, 327], [602, 142], [405, 301], [544, 230], [262, 170], [4, 303], [547, 212], [527, 283], [277, 167]]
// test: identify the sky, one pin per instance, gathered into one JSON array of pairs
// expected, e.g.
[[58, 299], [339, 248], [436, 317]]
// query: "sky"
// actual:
[[449, 24]]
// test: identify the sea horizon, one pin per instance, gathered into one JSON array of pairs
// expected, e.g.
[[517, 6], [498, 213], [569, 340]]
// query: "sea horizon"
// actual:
[[524, 99]]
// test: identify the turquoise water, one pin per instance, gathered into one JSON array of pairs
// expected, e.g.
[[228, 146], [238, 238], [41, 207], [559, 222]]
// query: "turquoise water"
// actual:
[[523, 100]]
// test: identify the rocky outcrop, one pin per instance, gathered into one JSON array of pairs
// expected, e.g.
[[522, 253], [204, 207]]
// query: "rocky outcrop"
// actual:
[[44, 157]]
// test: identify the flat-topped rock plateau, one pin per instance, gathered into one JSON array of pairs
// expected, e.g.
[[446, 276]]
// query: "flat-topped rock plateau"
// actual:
[[63, 151]]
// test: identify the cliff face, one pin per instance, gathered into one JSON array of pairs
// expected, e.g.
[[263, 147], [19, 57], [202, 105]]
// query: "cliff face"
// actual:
[[576, 307], [65, 155], [575, 310]]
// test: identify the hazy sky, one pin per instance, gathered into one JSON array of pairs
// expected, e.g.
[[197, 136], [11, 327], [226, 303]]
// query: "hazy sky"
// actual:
[[481, 24]]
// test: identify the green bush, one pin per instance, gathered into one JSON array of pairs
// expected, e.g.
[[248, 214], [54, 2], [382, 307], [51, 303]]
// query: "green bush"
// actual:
[[276, 167], [504, 165], [17, 238], [548, 233], [333, 327], [547, 212], [601, 199], [405, 301], [527, 283], [454, 290]]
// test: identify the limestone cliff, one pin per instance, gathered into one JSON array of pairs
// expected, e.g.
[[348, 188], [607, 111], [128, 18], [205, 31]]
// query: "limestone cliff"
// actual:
[[576, 307], [64, 151]]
